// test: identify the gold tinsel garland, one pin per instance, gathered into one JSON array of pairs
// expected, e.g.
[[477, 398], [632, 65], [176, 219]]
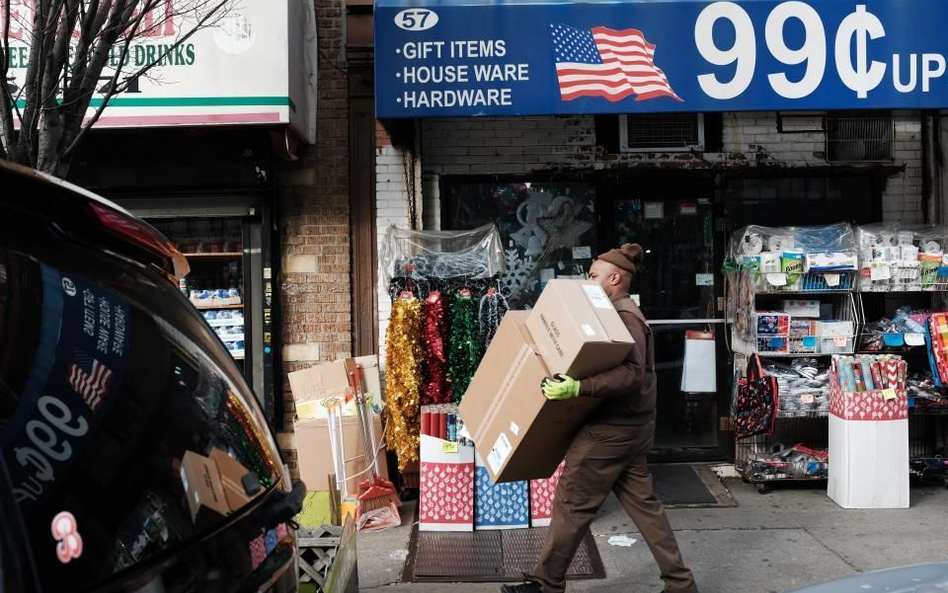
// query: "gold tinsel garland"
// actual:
[[403, 358]]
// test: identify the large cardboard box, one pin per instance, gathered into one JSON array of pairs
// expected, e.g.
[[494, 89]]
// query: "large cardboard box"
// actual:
[[314, 451], [577, 329], [519, 433], [868, 449]]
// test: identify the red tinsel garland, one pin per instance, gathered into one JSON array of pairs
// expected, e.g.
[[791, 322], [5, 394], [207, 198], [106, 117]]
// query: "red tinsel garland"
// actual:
[[434, 336]]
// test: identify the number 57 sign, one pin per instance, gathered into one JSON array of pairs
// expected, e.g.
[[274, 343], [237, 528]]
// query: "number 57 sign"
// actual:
[[510, 57]]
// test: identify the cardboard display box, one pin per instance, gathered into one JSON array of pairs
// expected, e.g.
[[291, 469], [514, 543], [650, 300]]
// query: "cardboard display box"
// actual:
[[868, 449], [446, 496], [542, 493], [519, 433], [499, 506], [315, 452], [202, 485], [577, 330]]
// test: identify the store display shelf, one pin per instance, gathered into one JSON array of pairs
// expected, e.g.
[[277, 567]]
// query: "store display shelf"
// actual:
[[224, 322], [209, 307], [928, 412], [217, 255], [784, 415], [923, 291], [800, 354], [801, 292]]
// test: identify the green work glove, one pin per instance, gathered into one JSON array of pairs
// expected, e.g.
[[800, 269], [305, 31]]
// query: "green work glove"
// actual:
[[560, 387]]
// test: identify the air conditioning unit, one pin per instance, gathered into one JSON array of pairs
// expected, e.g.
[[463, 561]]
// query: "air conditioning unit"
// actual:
[[661, 132], [859, 138]]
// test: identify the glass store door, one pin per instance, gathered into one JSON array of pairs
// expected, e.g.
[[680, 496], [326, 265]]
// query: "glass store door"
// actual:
[[676, 290]]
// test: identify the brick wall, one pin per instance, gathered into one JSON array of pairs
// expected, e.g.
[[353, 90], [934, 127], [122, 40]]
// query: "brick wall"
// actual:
[[314, 226], [391, 202], [495, 146]]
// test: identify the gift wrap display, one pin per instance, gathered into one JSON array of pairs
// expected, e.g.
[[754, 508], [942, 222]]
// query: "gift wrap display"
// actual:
[[446, 498], [868, 433], [542, 493], [499, 506]]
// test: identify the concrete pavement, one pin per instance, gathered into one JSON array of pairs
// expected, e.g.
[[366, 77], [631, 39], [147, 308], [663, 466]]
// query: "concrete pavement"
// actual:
[[766, 544]]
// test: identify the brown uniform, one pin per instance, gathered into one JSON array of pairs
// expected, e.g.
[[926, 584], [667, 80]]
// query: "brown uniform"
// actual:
[[609, 454]]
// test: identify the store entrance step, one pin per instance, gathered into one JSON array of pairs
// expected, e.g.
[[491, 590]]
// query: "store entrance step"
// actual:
[[689, 485], [488, 556]]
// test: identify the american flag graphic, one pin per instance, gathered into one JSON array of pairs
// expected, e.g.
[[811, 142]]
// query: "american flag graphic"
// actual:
[[92, 386], [607, 63]]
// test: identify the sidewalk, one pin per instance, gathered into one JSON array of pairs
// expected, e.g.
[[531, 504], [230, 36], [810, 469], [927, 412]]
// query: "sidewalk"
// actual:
[[767, 544]]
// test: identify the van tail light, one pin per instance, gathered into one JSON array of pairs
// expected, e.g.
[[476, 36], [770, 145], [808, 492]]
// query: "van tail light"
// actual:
[[143, 236]]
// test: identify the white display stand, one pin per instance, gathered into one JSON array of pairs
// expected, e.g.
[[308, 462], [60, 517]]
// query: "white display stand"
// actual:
[[868, 463], [869, 445]]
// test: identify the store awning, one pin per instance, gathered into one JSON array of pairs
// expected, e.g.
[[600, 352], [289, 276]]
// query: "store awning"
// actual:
[[438, 58]]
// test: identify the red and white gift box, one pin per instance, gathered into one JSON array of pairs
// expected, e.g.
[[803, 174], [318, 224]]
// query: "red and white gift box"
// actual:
[[868, 445], [447, 486], [542, 493]]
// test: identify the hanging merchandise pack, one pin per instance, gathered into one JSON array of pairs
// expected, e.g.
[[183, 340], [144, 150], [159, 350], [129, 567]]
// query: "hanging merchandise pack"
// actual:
[[477, 254], [754, 407]]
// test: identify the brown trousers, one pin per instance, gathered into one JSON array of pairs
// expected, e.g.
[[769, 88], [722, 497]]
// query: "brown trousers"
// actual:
[[604, 458]]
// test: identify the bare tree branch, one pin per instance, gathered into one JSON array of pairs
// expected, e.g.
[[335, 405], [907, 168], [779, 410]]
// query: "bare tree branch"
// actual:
[[72, 45], [7, 101], [113, 88]]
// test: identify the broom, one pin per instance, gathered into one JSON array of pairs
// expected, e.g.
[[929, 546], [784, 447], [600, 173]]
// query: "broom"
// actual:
[[376, 492]]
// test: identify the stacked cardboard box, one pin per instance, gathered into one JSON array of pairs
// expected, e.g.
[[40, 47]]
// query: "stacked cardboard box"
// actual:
[[573, 329]]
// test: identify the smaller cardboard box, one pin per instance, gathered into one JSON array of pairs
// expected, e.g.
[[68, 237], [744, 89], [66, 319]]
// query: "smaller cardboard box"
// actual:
[[519, 433], [314, 451], [330, 379], [446, 496], [203, 487], [232, 474], [577, 330]]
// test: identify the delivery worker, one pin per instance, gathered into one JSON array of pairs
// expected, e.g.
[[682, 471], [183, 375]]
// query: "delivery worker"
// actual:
[[608, 453]]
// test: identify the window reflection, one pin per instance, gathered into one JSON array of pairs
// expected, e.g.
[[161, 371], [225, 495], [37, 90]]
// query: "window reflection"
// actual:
[[111, 413]]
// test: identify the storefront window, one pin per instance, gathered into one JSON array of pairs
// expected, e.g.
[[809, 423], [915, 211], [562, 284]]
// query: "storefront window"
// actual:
[[114, 404], [549, 229], [798, 201]]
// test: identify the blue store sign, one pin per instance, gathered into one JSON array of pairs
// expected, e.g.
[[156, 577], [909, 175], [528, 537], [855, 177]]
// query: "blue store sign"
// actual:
[[437, 58]]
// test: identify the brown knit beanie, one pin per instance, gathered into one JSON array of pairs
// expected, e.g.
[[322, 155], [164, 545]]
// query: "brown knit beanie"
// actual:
[[627, 257]]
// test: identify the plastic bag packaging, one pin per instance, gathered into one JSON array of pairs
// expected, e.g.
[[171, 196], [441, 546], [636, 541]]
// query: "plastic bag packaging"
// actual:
[[831, 247], [379, 519], [476, 254], [793, 259], [803, 386], [896, 257]]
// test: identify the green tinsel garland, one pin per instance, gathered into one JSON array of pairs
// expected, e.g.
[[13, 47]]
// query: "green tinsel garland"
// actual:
[[464, 355]]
